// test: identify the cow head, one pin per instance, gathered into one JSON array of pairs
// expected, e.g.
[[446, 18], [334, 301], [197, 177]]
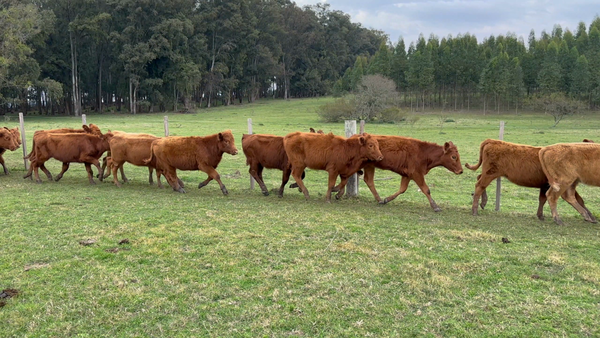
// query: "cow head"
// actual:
[[227, 142], [451, 158], [7, 140], [92, 129], [370, 146], [17, 135]]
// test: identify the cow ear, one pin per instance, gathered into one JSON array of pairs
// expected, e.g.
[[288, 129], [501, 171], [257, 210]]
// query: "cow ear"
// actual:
[[86, 128], [362, 140], [447, 146], [220, 137]]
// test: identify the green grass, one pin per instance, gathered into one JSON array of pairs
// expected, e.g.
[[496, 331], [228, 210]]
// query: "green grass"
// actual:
[[204, 264]]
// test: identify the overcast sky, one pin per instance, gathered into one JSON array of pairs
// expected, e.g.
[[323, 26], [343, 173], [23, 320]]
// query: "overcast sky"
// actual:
[[482, 18]]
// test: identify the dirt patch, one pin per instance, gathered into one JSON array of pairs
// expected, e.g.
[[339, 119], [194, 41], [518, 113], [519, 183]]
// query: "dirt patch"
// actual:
[[124, 241], [505, 240], [36, 266], [9, 293], [87, 242]]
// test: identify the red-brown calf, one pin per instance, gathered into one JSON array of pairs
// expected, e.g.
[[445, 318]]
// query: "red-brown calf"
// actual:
[[566, 165], [5, 143], [73, 147], [192, 153], [134, 149], [519, 163], [412, 159], [337, 155]]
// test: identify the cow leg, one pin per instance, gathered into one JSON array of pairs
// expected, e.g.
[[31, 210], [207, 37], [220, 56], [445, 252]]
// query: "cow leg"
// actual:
[[3, 165], [580, 201], [369, 180], [553, 196], [171, 176], [403, 187], [297, 174], [29, 171], [256, 173], [341, 188], [150, 180], [36, 173], [284, 179], [104, 165], [480, 190], [420, 181], [212, 175], [569, 196], [88, 168], [115, 168], [65, 167], [542, 200], [123, 177], [295, 185], [159, 172]]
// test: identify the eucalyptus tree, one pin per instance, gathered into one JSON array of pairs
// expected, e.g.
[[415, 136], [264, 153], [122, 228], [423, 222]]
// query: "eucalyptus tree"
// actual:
[[580, 86], [549, 77]]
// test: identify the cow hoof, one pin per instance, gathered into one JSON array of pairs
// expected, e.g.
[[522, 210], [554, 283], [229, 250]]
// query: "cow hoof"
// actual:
[[225, 192], [437, 209], [558, 221], [38, 181], [384, 201], [201, 185], [294, 185], [181, 190], [280, 195], [335, 189], [265, 193], [541, 218]]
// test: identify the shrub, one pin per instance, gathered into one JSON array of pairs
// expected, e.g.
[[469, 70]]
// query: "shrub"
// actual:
[[391, 115], [336, 111]]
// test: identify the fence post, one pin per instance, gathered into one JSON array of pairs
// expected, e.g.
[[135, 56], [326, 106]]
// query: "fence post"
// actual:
[[352, 186], [166, 121], [499, 180], [250, 132], [362, 126], [23, 140], [83, 119]]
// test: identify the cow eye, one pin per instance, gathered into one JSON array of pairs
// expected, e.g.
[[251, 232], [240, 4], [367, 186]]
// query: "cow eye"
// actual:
[[454, 158]]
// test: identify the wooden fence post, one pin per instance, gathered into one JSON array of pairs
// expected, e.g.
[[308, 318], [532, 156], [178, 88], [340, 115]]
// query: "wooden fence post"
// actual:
[[250, 132], [23, 141], [362, 126], [83, 119], [352, 186], [166, 122], [499, 180]]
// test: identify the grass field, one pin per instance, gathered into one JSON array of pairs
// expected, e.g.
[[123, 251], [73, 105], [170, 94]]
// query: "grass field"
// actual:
[[245, 265]]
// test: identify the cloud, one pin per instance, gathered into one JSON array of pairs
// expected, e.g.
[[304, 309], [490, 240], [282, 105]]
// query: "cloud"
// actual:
[[409, 18]]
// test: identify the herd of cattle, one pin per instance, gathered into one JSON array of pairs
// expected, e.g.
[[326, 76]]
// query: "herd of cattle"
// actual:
[[556, 169]]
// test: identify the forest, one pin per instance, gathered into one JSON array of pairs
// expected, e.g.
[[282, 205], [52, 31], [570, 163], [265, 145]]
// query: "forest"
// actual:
[[65, 57]]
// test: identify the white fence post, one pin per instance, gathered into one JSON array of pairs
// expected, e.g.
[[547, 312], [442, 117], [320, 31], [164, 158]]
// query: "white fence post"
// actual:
[[499, 180], [362, 126], [166, 121], [352, 186], [250, 132], [83, 119], [23, 141]]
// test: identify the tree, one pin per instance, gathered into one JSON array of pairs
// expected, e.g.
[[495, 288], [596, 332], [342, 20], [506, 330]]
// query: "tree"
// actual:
[[559, 106], [381, 61], [580, 86], [399, 65], [549, 77], [373, 95]]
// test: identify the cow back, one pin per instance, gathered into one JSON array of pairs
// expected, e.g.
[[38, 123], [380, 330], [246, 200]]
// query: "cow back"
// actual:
[[265, 149]]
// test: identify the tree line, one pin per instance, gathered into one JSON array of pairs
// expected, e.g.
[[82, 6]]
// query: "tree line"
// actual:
[[67, 56], [500, 73]]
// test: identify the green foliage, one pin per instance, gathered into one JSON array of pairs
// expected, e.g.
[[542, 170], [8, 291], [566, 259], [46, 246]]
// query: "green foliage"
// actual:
[[337, 111]]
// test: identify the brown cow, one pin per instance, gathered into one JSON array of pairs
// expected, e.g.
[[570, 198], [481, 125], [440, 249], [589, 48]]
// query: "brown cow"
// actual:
[[566, 165], [266, 151], [519, 163], [72, 147], [6, 144], [108, 172], [192, 153], [335, 154], [412, 159], [41, 134], [134, 149]]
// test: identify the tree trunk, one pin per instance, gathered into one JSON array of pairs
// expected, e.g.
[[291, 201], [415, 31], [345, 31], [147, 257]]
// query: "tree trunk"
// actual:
[[74, 75]]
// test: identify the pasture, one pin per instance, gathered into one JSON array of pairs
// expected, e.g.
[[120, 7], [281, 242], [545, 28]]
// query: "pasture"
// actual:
[[204, 264]]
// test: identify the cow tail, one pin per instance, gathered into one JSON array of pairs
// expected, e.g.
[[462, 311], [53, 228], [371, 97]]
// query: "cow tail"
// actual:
[[475, 167], [28, 157], [148, 160], [553, 182]]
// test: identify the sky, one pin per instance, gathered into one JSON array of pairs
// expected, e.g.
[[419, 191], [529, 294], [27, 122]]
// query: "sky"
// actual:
[[482, 18]]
